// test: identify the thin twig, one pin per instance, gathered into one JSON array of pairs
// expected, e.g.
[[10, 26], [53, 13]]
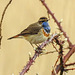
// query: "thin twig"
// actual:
[[48, 52], [53, 70], [57, 60], [69, 69], [61, 55], [69, 54], [3, 18], [54, 46], [71, 64], [48, 15]]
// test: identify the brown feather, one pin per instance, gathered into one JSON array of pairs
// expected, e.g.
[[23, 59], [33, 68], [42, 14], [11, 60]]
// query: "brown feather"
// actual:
[[14, 37], [31, 29]]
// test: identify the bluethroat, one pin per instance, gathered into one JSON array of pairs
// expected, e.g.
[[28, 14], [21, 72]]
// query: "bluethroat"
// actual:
[[36, 33]]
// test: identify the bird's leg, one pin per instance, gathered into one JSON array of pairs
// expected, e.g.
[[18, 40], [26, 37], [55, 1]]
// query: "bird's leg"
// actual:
[[38, 47], [33, 46], [41, 50]]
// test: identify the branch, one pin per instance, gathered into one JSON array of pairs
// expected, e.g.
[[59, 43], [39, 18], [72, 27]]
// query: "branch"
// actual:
[[37, 52], [65, 59], [69, 69], [48, 52], [59, 42], [54, 47], [70, 64], [71, 46], [26, 68], [3, 18], [58, 23]]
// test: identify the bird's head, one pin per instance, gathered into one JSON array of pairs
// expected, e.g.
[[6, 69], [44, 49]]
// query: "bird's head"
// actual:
[[43, 19], [44, 22]]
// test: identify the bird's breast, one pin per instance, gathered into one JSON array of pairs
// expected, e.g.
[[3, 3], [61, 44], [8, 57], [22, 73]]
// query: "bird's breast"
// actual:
[[45, 33], [38, 38]]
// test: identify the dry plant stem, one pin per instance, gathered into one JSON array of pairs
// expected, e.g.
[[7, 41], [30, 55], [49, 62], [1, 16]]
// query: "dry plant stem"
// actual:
[[58, 23], [69, 69], [61, 56], [3, 17], [55, 64], [57, 60], [65, 59], [71, 64], [48, 52], [30, 62], [54, 46], [67, 56]]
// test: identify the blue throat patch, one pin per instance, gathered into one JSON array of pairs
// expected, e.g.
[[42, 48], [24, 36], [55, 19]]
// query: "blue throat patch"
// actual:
[[46, 27]]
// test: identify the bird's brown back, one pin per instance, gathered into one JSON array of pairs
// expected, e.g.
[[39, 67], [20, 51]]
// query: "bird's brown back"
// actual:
[[31, 29]]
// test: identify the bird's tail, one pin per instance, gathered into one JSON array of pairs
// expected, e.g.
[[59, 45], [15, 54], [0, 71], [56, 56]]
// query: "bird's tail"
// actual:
[[13, 37]]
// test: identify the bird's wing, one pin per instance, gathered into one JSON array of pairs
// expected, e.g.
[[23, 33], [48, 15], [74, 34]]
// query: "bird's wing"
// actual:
[[31, 29]]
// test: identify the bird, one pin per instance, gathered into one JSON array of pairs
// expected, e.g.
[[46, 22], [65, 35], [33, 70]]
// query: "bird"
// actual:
[[35, 33]]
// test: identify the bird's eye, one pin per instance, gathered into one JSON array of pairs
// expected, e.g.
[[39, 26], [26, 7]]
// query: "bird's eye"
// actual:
[[42, 21]]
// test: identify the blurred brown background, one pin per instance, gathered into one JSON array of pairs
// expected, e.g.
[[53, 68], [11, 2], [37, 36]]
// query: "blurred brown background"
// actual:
[[21, 13]]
